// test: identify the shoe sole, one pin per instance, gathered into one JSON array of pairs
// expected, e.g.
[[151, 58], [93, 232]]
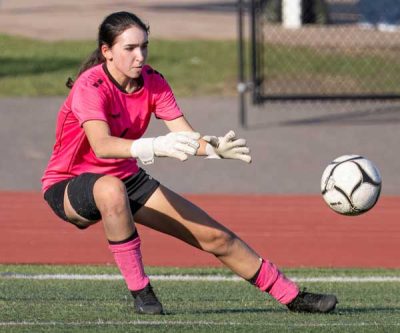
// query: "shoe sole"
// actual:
[[145, 312]]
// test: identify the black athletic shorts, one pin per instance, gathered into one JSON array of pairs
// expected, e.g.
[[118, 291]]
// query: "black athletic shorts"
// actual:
[[139, 187]]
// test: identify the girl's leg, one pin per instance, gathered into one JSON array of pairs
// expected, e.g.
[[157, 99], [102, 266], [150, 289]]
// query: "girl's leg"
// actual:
[[110, 198], [171, 214]]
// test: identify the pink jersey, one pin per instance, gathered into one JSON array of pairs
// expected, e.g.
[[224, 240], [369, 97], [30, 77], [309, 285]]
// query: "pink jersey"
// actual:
[[96, 96]]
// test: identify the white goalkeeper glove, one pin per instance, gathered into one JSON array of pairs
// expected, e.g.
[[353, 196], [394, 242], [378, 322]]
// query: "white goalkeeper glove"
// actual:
[[227, 147], [175, 144]]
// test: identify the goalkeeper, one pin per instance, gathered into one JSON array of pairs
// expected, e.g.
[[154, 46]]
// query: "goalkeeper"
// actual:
[[93, 174]]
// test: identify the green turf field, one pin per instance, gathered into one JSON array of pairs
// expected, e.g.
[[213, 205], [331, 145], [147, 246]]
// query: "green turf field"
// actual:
[[29, 304]]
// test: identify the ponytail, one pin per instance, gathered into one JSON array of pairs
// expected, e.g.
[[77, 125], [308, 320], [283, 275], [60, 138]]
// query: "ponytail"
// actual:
[[94, 59]]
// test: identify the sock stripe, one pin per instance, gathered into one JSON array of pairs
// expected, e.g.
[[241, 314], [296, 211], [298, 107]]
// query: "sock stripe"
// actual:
[[130, 238], [255, 276]]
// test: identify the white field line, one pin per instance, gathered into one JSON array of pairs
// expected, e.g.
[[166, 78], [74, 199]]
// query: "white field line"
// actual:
[[210, 278], [191, 323]]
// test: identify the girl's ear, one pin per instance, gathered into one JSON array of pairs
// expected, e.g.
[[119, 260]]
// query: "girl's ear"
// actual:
[[106, 52]]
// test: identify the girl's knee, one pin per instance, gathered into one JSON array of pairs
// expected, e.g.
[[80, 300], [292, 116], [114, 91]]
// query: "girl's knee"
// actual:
[[110, 193], [219, 242]]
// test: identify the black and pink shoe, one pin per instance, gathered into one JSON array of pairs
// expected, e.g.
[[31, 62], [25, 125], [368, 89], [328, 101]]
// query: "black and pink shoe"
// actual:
[[146, 301], [313, 303]]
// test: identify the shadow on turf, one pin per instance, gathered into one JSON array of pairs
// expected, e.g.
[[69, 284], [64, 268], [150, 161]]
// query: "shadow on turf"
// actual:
[[339, 311], [227, 311], [348, 311]]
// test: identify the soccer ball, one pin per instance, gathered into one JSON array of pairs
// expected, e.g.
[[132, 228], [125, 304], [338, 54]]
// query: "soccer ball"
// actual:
[[351, 185]]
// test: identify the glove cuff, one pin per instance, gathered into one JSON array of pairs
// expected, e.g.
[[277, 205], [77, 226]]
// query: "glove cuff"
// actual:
[[211, 153], [144, 150]]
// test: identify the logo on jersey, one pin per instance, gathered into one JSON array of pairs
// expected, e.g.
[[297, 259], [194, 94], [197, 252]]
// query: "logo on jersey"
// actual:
[[152, 71], [98, 83]]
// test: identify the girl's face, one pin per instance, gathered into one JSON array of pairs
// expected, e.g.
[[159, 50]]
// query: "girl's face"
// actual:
[[126, 58]]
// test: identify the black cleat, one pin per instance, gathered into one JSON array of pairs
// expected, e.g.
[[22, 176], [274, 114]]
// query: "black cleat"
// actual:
[[313, 303], [146, 301]]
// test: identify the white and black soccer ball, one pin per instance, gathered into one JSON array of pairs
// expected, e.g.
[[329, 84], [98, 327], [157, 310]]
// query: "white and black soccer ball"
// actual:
[[351, 185]]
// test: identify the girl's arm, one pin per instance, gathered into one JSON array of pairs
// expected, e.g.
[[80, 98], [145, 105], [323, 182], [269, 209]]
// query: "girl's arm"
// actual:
[[176, 144], [182, 125]]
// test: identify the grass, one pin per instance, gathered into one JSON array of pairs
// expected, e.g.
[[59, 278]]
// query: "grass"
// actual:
[[195, 306], [37, 68], [336, 72], [193, 68]]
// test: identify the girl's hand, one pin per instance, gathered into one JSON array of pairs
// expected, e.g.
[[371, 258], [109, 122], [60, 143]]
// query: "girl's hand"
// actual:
[[175, 144], [227, 147]]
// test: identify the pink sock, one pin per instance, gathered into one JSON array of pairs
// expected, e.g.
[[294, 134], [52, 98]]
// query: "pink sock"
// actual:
[[271, 280], [128, 257]]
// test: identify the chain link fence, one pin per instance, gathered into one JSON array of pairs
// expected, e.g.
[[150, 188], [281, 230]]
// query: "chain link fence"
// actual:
[[330, 52]]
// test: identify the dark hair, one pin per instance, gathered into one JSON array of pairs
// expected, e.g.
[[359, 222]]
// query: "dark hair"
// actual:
[[111, 27]]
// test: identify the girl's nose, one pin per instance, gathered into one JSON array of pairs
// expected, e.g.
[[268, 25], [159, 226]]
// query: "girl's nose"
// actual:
[[141, 54]]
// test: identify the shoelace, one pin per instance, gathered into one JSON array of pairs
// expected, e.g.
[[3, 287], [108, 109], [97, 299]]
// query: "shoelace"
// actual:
[[306, 298], [312, 297], [148, 296]]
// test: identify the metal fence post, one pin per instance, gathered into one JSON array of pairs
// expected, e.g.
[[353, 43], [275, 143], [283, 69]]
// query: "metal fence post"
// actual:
[[241, 87]]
